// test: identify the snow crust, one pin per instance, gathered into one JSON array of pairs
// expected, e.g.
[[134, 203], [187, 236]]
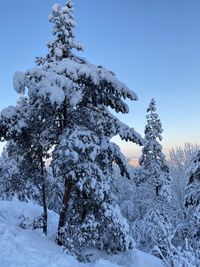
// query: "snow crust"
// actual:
[[27, 248]]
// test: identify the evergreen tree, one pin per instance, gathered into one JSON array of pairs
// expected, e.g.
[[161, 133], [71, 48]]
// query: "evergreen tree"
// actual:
[[153, 163], [64, 24], [25, 124], [193, 187], [91, 117], [10, 182], [85, 160], [192, 203], [67, 113]]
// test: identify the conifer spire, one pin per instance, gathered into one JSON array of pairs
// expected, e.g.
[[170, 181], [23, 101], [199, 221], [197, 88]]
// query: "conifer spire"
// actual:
[[63, 29], [153, 160]]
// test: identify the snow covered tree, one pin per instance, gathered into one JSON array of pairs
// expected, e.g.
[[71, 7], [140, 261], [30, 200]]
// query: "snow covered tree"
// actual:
[[10, 183], [99, 89], [68, 113], [153, 163], [192, 202], [152, 180], [165, 235], [64, 24], [193, 188], [86, 161], [179, 163], [25, 127]]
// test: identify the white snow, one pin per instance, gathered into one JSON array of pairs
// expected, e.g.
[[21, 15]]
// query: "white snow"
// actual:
[[19, 82], [9, 112], [28, 248]]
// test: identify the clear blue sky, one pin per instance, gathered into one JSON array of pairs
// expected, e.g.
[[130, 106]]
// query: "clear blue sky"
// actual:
[[152, 45]]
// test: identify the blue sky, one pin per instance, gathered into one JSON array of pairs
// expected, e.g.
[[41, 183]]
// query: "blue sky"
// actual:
[[152, 46]]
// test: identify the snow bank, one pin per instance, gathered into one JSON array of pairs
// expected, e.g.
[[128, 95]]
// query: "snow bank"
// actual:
[[26, 248], [10, 211]]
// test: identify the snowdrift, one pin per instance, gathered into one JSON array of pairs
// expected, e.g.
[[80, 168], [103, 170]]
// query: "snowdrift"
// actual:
[[27, 248]]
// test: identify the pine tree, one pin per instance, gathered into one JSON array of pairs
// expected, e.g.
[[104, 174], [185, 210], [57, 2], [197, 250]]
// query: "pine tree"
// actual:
[[193, 187], [192, 202], [25, 125], [87, 166], [100, 89], [64, 24], [153, 186], [10, 183], [152, 161], [68, 101]]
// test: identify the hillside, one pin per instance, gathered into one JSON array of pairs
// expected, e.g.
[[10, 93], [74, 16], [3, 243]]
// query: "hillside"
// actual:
[[28, 248]]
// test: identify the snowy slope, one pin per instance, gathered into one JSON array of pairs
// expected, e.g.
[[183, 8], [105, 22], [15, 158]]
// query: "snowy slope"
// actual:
[[27, 248]]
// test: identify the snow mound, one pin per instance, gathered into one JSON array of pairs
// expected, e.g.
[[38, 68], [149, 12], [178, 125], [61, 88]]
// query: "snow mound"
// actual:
[[27, 248]]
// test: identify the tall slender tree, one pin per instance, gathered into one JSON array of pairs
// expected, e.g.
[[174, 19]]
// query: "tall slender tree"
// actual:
[[193, 187], [152, 161]]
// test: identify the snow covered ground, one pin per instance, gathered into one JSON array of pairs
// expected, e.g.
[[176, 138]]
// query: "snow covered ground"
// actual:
[[27, 248]]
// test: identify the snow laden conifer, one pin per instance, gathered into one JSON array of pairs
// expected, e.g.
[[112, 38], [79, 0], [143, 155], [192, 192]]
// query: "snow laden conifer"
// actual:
[[155, 170], [84, 158], [93, 218], [68, 104], [193, 187], [192, 202], [63, 30], [11, 183], [152, 181], [26, 125]]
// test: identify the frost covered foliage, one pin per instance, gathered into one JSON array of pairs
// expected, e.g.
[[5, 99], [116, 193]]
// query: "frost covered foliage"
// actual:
[[12, 121], [192, 202], [179, 163], [165, 232], [63, 115], [125, 192], [166, 227], [178, 222], [182, 169], [155, 170], [157, 227], [10, 183], [13, 182], [193, 187]]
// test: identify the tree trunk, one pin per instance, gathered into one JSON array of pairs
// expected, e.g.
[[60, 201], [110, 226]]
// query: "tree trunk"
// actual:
[[45, 214], [63, 212], [157, 190], [68, 189], [65, 114]]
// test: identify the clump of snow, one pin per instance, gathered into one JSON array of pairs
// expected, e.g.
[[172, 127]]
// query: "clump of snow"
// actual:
[[20, 248], [9, 112], [19, 82], [58, 52], [11, 119]]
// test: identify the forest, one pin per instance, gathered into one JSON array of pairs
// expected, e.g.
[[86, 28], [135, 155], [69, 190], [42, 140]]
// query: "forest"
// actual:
[[59, 155]]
